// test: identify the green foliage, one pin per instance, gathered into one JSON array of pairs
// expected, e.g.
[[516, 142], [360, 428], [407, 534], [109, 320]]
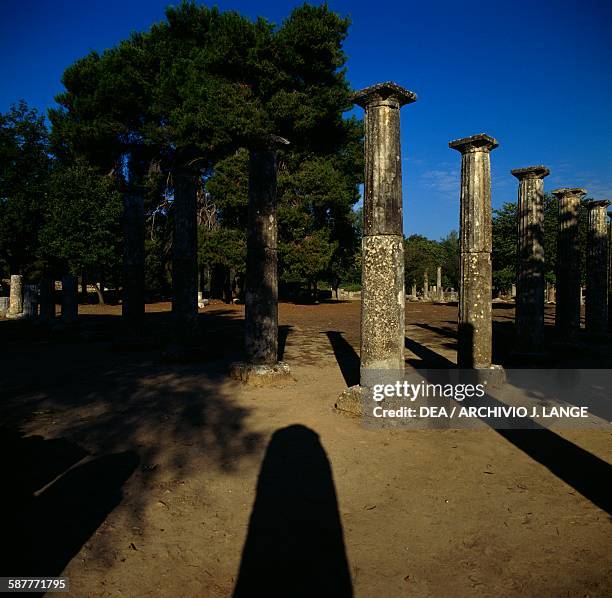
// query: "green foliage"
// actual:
[[81, 230], [24, 172]]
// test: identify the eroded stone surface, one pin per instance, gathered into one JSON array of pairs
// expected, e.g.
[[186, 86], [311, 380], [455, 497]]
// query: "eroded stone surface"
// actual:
[[596, 308], [278, 374], [529, 316], [350, 402], [567, 311], [15, 309], [474, 332], [382, 303]]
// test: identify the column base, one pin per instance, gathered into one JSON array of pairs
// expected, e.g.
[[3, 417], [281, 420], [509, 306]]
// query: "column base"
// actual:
[[493, 376], [19, 316], [252, 374], [350, 402]]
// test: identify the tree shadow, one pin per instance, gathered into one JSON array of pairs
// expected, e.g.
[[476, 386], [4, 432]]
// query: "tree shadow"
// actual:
[[122, 406], [295, 545], [346, 356], [55, 500]]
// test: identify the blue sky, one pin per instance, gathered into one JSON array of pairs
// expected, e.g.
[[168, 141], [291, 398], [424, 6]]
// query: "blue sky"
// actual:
[[536, 76]]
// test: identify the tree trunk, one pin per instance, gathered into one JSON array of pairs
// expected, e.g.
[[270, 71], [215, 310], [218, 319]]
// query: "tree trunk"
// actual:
[[98, 288]]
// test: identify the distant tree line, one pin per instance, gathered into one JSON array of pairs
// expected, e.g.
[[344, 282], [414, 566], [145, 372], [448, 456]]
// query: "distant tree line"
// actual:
[[190, 94]]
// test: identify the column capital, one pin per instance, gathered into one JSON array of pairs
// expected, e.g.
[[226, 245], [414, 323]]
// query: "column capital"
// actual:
[[384, 93], [597, 203], [569, 192], [474, 143], [530, 172]]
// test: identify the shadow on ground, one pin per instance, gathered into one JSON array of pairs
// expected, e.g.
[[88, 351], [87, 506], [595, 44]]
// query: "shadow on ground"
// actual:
[[295, 545]]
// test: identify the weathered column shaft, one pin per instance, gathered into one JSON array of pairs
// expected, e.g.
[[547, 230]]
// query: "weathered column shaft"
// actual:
[[132, 307], [567, 312], [596, 308], [439, 284], [609, 271], [529, 315], [47, 299], [426, 285], [383, 295], [16, 296], [261, 299], [184, 254], [70, 302], [474, 346]]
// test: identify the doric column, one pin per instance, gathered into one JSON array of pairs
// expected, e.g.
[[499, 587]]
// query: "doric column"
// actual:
[[70, 303], [475, 333], [132, 306], [47, 299], [15, 309], [261, 301], [383, 298], [184, 254], [567, 312], [596, 309], [609, 271], [439, 284], [529, 314], [425, 285]]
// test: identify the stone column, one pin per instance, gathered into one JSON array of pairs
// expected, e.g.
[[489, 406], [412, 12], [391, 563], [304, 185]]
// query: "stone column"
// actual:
[[184, 252], [70, 303], [609, 271], [425, 285], [439, 284], [529, 314], [16, 297], [474, 332], [261, 286], [596, 310], [413, 291], [47, 299], [567, 312], [261, 306], [132, 306], [383, 298]]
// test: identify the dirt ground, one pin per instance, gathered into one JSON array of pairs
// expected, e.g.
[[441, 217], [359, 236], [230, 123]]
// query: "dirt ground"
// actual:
[[136, 477]]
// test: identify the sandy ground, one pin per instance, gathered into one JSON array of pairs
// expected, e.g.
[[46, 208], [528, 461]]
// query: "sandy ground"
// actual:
[[136, 477]]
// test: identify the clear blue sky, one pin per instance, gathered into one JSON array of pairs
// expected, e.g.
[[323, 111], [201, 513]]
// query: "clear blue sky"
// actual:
[[537, 76]]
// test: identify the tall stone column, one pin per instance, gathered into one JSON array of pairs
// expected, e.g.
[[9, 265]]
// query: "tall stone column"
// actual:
[[609, 271], [47, 299], [383, 296], [567, 312], [184, 252], [529, 314], [15, 309], [439, 284], [262, 365], [596, 309], [132, 306], [474, 345], [261, 302], [425, 285], [70, 296]]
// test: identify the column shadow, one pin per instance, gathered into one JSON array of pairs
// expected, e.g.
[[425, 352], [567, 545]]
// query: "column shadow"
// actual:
[[295, 545], [346, 356]]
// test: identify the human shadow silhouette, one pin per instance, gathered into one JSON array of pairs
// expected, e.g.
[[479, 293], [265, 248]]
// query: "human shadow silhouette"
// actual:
[[294, 546]]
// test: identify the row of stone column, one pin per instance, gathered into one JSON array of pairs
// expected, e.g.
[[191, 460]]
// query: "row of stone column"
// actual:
[[530, 266], [27, 301]]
